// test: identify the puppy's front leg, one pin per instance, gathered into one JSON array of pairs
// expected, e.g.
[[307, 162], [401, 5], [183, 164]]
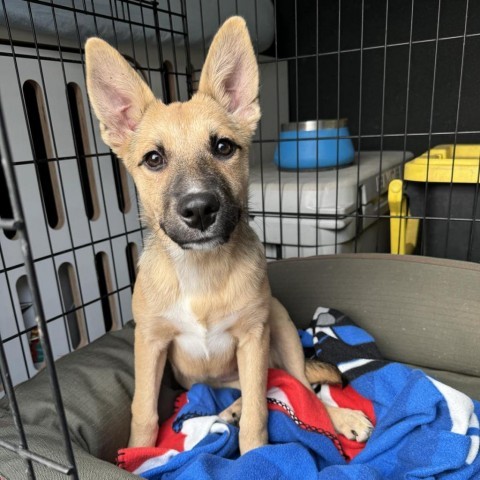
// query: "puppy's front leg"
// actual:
[[150, 358], [252, 358]]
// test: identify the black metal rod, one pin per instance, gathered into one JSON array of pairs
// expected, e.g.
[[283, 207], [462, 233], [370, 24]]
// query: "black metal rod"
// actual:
[[297, 147], [476, 197], [75, 248], [277, 91], [382, 119], [29, 456], [360, 110], [31, 137], [359, 136], [174, 51], [189, 69], [37, 301], [12, 401], [160, 48], [260, 136], [204, 43], [354, 214], [407, 101], [457, 119], [100, 15], [76, 145], [71, 310], [149, 69], [317, 115], [10, 224], [370, 48], [55, 153], [430, 129], [337, 184], [9, 287]]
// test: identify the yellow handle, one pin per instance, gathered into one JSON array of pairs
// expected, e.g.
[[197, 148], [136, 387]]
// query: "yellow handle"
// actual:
[[403, 230]]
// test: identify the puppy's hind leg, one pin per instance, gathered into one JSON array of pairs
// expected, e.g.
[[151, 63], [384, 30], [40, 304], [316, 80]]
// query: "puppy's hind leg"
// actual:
[[322, 373], [287, 353], [285, 347]]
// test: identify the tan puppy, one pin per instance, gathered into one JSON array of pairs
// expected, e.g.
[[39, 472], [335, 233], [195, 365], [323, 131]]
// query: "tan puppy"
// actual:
[[202, 297]]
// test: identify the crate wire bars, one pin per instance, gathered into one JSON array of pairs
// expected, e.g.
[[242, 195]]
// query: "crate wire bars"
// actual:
[[403, 73], [130, 20], [387, 65], [18, 223]]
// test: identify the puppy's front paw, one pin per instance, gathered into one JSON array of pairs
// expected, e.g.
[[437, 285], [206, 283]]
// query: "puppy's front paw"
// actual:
[[353, 424], [143, 435]]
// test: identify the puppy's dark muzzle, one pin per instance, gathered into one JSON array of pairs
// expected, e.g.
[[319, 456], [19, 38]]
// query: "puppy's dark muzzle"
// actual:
[[199, 210]]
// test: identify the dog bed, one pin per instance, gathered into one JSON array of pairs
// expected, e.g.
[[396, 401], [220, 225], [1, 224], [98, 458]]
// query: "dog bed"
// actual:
[[421, 311]]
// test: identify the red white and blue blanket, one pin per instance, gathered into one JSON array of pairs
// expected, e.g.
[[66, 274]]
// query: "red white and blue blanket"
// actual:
[[423, 429]]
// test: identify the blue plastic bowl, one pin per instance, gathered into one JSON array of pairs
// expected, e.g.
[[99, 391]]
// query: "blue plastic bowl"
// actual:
[[314, 144]]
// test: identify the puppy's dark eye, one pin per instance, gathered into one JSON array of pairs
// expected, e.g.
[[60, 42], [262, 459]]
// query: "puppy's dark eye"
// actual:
[[224, 148], [155, 160]]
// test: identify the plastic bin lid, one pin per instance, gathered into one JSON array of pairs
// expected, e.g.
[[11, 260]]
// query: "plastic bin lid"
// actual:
[[445, 164], [326, 192]]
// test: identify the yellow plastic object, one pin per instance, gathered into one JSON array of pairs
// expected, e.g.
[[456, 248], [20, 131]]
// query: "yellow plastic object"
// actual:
[[441, 164], [440, 161], [403, 230]]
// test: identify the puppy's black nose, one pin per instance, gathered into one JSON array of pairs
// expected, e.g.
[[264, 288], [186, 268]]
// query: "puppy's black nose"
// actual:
[[199, 210]]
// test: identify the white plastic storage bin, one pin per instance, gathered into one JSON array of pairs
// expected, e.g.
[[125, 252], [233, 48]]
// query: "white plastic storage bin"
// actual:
[[305, 213], [372, 239]]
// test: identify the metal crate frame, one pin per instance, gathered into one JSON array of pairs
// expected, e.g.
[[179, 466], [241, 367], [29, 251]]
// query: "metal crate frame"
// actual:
[[174, 83]]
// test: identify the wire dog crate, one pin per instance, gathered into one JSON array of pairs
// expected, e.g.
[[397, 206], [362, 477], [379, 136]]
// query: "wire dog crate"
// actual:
[[404, 74]]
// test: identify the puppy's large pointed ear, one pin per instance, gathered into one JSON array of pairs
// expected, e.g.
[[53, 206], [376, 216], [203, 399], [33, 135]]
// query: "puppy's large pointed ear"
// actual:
[[230, 73], [118, 95]]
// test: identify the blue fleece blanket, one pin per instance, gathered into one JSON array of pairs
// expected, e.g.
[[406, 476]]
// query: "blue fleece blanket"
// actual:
[[423, 429]]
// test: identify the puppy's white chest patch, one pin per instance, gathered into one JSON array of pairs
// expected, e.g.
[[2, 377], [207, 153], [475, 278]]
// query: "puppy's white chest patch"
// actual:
[[197, 340]]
